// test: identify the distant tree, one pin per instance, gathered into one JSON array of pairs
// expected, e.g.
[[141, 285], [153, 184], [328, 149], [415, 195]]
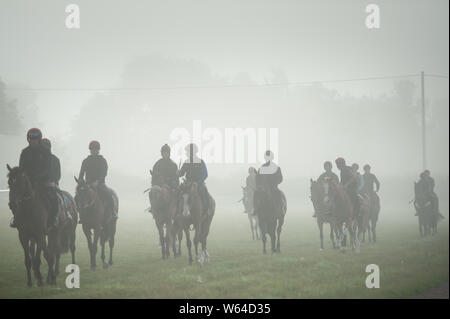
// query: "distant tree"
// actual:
[[10, 123]]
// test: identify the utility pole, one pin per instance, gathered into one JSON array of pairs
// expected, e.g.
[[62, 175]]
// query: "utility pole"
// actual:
[[424, 142]]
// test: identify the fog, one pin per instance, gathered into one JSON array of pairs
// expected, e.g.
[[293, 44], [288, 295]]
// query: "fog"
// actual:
[[137, 70]]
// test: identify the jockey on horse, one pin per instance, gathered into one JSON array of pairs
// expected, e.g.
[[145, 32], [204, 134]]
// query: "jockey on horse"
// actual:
[[274, 177], [350, 182], [195, 170], [328, 174], [165, 171], [36, 161], [94, 168], [369, 181]]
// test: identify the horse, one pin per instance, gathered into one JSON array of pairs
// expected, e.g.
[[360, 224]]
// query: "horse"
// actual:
[[374, 210], [424, 208], [363, 220], [343, 212], [164, 204], [322, 207], [95, 218], [67, 233], [247, 200], [31, 216], [271, 218], [191, 212]]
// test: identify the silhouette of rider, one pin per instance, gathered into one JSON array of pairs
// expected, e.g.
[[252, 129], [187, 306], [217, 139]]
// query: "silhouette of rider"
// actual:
[[430, 186], [195, 171], [250, 184], [274, 177], [327, 175], [350, 183], [35, 160], [94, 169], [165, 171]]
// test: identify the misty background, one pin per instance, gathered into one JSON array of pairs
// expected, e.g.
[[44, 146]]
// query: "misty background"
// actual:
[[125, 78]]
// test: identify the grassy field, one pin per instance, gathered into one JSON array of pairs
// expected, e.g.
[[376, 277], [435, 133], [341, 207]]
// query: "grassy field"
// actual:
[[409, 265]]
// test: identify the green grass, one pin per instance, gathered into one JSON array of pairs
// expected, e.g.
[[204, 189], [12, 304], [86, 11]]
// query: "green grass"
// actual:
[[408, 264]]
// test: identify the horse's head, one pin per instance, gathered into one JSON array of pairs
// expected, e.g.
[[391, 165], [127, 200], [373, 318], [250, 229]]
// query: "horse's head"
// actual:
[[18, 183], [85, 193], [159, 196], [188, 192]]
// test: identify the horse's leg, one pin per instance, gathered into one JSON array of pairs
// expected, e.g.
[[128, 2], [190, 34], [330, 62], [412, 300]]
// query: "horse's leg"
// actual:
[[197, 239], [111, 248], [37, 261], [103, 237], [26, 250], [168, 238], [57, 259], [160, 227], [97, 233], [374, 233], [332, 230], [73, 237], [320, 224], [264, 239], [188, 243], [87, 233], [251, 225], [257, 229], [51, 259], [280, 225]]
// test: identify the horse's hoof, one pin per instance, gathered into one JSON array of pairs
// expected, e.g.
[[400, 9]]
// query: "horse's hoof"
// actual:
[[40, 283], [264, 252], [321, 249], [29, 284], [105, 266], [93, 268], [110, 263]]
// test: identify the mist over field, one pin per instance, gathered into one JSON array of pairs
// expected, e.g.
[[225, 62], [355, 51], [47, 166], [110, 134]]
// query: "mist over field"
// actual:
[[137, 70]]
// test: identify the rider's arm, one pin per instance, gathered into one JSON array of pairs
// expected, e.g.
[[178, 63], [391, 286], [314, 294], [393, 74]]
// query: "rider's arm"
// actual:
[[182, 170], [377, 183], [278, 176], [104, 171], [204, 172]]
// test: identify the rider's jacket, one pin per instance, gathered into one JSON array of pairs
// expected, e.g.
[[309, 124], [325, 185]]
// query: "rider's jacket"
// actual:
[[272, 174], [329, 174], [55, 170], [94, 168], [195, 171], [369, 181], [165, 172], [36, 162], [348, 176]]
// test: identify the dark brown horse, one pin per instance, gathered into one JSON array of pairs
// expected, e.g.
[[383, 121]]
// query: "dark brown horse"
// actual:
[[271, 218], [192, 212], [428, 217], [67, 230], [343, 213], [31, 215], [374, 211], [322, 208], [164, 201], [94, 217]]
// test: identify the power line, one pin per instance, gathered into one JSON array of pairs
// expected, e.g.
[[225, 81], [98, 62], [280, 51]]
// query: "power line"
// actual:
[[285, 84]]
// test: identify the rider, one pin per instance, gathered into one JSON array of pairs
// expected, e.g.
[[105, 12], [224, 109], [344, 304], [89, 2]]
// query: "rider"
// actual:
[[55, 168], [195, 170], [35, 160], [328, 174], [369, 181], [165, 171], [274, 176], [94, 168], [430, 184], [350, 183]]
